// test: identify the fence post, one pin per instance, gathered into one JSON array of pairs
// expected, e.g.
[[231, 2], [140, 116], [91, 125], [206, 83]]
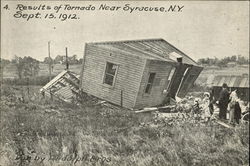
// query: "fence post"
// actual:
[[121, 98], [51, 95]]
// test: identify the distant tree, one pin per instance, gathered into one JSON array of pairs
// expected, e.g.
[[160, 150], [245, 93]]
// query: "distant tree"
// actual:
[[202, 61], [233, 58], [4, 62], [224, 61], [242, 60], [59, 59], [73, 60], [80, 61], [48, 60], [26, 67]]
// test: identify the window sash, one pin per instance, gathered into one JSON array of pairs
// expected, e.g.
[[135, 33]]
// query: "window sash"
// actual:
[[110, 73], [150, 82], [109, 79]]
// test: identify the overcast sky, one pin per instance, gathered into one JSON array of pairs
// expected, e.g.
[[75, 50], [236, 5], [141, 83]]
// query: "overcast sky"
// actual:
[[202, 29]]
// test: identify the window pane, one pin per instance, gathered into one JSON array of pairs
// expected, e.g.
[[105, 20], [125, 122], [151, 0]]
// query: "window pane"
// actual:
[[108, 79], [151, 78], [147, 90], [111, 68], [150, 82]]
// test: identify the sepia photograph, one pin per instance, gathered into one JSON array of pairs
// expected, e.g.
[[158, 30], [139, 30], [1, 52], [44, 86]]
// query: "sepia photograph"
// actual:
[[124, 83]]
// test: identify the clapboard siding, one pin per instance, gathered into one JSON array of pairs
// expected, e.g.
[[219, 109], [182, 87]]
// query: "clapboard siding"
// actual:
[[156, 97], [128, 77]]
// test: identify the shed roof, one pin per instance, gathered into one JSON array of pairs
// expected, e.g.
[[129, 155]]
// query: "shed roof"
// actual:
[[157, 49], [64, 86], [241, 81]]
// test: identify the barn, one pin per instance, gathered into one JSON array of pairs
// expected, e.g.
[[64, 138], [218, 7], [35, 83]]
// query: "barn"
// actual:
[[137, 73], [234, 82]]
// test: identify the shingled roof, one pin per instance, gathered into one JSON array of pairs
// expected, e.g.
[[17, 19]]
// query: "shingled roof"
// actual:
[[157, 49]]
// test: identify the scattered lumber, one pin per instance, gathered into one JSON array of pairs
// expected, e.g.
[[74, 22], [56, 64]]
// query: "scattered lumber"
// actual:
[[224, 124], [147, 110]]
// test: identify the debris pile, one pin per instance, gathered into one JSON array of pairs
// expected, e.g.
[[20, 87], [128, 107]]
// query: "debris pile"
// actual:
[[65, 86], [193, 110]]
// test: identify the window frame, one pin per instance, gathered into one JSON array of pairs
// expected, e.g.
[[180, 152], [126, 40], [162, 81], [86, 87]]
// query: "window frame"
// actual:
[[149, 83], [114, 76], [170, 77]]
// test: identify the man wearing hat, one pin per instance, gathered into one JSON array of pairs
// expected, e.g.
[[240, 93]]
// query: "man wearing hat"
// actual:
[[223, 101]]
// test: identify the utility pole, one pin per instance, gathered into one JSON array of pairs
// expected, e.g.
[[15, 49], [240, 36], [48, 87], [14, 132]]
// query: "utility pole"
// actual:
[[67, 62], [49, 60]]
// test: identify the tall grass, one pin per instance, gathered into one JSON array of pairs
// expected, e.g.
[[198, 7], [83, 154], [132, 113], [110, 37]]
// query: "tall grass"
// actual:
[[38, 80], [65, 134]]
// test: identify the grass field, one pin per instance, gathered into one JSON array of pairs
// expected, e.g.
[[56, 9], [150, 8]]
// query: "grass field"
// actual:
[[42, 132], [10, 70]]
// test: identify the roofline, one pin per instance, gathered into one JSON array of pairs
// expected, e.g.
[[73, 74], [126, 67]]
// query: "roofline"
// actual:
[[142, 40], [126, 41], [180, 51], [146, 58]]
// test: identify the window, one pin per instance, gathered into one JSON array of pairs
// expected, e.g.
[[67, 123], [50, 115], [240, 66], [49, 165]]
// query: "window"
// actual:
[[110, 73], [150, 82]]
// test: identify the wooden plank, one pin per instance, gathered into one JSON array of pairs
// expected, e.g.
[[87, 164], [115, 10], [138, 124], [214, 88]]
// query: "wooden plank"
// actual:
[[54, 80], [224, 124], [147, 110]]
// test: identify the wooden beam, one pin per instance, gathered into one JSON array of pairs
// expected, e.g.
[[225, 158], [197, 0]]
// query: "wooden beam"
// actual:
[[224, 124]]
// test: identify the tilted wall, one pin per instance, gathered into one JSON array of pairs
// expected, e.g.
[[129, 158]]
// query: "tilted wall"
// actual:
[[156, 96], [128, 77]]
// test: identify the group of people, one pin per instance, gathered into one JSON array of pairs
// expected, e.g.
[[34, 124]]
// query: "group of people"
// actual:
[[227, 101]]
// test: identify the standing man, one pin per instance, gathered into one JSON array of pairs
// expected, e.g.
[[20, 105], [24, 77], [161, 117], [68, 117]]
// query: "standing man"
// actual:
[[212, 100], [223, 101]]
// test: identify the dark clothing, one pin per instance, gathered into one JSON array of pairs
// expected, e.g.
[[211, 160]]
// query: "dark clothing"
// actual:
[[237, 112], [212, 101], [211, 97], [223, 111], [223, 103], [196, 108], [211, 108]]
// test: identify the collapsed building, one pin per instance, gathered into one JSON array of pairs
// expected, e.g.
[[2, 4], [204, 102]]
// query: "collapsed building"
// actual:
[[133, 74], [137, 73], [65, 86]]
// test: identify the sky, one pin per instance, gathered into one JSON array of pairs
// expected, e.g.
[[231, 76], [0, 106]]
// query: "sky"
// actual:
[[201, 30]]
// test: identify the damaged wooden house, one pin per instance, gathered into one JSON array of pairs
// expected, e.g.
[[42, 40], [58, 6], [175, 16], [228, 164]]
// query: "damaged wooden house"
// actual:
[[137, 73]]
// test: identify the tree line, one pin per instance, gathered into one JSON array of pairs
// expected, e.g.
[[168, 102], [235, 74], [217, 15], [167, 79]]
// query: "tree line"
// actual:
[[29, 67], [25, 67], [241, 60], [61, 59]]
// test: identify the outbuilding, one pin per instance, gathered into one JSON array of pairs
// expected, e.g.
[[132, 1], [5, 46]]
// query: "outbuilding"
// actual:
[[234, 82], [137, 73]]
